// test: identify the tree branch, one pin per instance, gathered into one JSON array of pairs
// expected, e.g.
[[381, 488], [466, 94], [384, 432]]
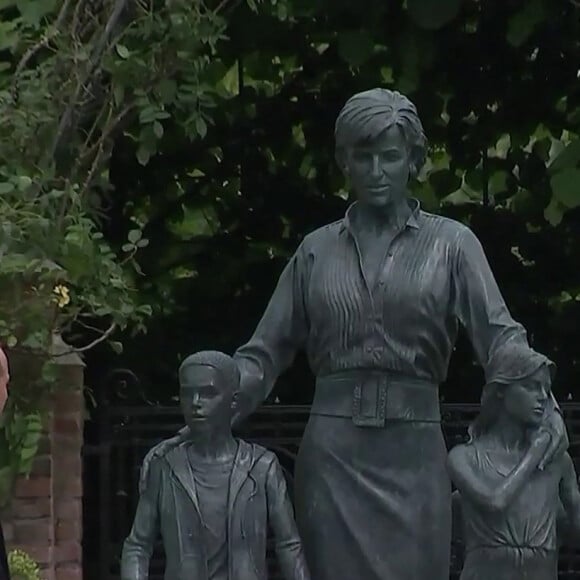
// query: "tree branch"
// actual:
[[94, 61], [91, 345], [44, 41]]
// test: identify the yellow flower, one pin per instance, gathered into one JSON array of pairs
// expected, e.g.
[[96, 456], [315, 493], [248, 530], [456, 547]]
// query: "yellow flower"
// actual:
[[61, 295]]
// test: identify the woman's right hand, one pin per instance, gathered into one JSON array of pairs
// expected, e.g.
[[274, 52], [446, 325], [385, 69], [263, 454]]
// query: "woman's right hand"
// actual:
[[541, 439]]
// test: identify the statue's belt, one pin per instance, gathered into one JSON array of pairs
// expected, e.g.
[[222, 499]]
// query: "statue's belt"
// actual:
[[371, 398]]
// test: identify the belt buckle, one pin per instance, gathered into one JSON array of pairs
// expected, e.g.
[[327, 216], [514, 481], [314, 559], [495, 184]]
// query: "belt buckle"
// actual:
[[363, 391]]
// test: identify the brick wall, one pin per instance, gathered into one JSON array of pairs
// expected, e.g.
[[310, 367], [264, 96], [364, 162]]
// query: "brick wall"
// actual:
[[45, 517]]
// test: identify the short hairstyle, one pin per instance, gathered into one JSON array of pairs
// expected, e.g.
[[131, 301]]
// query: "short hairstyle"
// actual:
[[510, 365], [220, 361], [366, 115]]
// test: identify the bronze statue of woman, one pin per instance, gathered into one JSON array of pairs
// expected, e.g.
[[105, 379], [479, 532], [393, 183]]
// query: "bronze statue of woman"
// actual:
[[375, 299]]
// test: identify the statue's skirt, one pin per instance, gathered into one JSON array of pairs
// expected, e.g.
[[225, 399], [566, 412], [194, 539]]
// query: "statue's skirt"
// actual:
[[374, 502]]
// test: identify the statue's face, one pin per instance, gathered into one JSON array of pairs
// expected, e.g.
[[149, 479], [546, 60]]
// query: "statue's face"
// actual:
[[379, 170], [526, 401], [205, 398]]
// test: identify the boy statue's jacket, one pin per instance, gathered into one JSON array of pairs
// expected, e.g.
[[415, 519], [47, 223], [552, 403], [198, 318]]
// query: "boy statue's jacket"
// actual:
[[169, 506]]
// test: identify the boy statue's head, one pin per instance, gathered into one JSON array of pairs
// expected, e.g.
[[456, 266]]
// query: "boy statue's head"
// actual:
[[208, 385], [520, 390]]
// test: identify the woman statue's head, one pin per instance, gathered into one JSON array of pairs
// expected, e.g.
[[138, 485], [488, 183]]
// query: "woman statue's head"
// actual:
[[520, 390], [380, 145]]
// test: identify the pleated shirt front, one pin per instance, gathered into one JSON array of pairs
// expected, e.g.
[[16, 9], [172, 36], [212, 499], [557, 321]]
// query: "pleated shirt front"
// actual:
[[434, 276]]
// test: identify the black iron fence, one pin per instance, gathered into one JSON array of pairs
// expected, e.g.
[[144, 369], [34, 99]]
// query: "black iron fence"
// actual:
[[123, 435]]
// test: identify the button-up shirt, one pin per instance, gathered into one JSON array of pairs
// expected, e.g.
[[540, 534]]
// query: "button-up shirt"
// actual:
[[434, 276]]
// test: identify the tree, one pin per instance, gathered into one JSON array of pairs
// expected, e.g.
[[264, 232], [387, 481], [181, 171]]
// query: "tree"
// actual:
[[496, 86], [73, 77]]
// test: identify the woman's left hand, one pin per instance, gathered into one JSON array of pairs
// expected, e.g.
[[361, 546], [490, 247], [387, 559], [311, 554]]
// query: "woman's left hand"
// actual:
[[554, 422]]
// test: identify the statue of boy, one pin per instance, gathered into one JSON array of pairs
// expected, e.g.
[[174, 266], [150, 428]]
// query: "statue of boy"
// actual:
[[510, 506], [213, 496]]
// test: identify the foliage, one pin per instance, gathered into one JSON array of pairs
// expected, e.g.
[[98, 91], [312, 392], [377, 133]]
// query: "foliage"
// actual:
[[496, 85], [19, 441], [73, 76], [22, 566]]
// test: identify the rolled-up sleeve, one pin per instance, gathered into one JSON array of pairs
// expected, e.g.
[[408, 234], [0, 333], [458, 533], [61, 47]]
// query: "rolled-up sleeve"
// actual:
[[281, 332], [479, 304]]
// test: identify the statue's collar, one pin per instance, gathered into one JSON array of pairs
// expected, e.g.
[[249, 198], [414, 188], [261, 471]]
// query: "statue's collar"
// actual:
[[245, 459], [412, 222]]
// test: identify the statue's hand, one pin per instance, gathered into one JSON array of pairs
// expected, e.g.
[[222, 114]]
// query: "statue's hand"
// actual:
[[242, 408], [554, 423], [161, 449]]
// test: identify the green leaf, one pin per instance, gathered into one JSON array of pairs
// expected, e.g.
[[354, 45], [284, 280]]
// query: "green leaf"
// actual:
[[118, 94], [411, 57], [541, 148], [134, 236], [143, 155], [282, 11], [201, 127], [145, 309], [523, 202], [24, 182], [122, 51], [423, 191], [33, 11], [387, 75], [522, 25], [444, 182], [231, 80], [6, 187], [474, 180], [355, 48], [567, 158], [167, 90], [116, 346], [195, 222], [158, 129], [566, 187], [461, 197], [498, 182], [148, 115], [433, 14], [554, 213]]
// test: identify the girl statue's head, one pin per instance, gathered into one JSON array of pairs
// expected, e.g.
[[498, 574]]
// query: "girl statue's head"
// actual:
[[520, 389]]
